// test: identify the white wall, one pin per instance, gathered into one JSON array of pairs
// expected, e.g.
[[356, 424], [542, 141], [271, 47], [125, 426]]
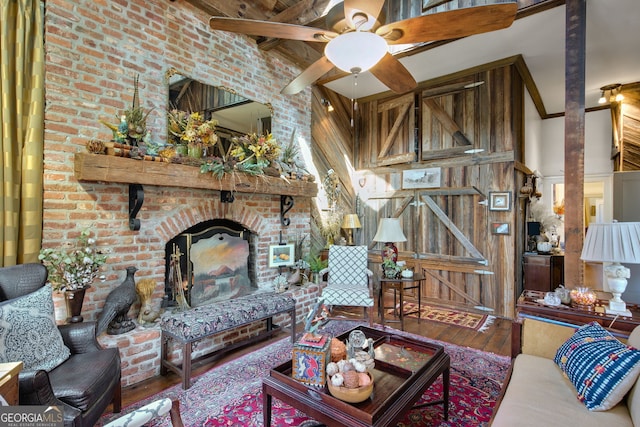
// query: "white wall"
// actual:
[[544, 152], [532, 134], [597, 145]]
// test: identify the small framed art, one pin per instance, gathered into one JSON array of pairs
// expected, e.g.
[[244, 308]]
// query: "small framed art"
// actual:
[[500, 228], [421, 178], [500, 200], [281, 255]]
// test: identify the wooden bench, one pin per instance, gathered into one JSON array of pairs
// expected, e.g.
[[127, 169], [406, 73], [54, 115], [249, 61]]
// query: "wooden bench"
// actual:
[[189, 326]]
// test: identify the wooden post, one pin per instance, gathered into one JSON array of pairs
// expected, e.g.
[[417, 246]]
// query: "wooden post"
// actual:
[[574, 140]]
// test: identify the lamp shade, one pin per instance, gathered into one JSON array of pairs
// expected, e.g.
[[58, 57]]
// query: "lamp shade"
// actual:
[[351, 221], [612, 242], [389, 230], [356, 52]]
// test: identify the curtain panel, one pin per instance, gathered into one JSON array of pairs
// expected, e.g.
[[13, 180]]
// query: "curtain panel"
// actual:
[[22, 132]]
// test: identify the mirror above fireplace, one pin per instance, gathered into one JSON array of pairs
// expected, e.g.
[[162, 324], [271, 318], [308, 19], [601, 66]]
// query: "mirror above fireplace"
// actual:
[[236, 115]]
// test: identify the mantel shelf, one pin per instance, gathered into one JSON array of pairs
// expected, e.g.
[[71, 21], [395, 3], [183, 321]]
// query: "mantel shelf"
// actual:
[[104, 168]]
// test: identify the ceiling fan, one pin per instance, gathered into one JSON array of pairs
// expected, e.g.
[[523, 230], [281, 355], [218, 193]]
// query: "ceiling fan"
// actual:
[[358, 39]]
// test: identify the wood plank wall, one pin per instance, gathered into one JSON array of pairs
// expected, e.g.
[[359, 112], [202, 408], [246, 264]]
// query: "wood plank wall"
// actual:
[[447, 227]]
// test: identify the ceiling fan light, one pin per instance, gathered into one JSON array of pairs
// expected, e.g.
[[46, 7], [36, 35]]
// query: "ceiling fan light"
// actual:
[[356, 52]]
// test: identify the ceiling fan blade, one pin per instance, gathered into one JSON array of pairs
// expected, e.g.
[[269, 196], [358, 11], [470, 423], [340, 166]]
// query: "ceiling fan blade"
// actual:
[[353, 10], [308, 76], [279, 30], [393, 74], [451, 24]]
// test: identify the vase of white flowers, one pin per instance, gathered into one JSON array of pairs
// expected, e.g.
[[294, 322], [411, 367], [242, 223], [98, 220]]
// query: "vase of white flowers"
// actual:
[[72, 270]]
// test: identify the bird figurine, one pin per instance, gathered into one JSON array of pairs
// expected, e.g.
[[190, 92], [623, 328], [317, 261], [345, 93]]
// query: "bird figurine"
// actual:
[[295, 277], [113, 317]]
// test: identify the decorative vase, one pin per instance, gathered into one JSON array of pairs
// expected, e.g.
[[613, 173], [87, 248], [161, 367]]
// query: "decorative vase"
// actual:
[[315, 277], [391, 273], [182, 149], [194, 151], [74, 300]]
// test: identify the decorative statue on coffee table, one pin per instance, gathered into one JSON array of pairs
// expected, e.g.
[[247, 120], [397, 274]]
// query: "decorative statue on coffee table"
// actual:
[[113, 317]]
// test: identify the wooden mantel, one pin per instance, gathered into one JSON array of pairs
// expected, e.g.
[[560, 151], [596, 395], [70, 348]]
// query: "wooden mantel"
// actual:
[[104, 168]]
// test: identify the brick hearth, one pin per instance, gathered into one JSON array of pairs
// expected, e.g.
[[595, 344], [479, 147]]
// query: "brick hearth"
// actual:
[[140, 348]]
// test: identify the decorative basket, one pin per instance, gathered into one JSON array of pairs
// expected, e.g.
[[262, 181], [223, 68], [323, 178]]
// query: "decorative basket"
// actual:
[[352, 395]]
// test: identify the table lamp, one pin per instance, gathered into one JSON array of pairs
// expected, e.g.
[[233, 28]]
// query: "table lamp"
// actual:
[[349, 222], [616, 242], [389, 232]]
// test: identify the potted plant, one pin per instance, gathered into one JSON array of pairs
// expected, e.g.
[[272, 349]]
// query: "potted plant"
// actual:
[[73, 270], [391, 269], [316, 265], [331, 226]]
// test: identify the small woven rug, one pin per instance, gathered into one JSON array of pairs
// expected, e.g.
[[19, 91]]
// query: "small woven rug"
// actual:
[[477, 322]]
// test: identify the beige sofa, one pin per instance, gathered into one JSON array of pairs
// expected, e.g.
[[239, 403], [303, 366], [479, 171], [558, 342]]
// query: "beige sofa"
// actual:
[[537, 393]]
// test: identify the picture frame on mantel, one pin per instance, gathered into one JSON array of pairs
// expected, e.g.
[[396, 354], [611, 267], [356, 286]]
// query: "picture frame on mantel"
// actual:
[[282, 255], [500, 200]]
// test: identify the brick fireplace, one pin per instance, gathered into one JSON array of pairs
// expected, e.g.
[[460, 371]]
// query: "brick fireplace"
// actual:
[[209, 262], [169, 214], [93, 54]]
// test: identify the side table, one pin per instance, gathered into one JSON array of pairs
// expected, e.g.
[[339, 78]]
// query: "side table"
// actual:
[[531, 303], [399, 286], [9, 381]]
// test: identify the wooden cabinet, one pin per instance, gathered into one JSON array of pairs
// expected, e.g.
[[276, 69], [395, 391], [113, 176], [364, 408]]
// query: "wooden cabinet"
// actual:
[[543, 272]]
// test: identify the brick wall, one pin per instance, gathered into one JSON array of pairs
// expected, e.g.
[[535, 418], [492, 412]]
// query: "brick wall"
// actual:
[[94, 49]]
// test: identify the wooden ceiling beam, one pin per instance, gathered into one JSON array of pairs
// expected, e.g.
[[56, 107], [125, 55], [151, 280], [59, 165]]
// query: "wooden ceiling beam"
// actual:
[[240, 9], [305, 12]]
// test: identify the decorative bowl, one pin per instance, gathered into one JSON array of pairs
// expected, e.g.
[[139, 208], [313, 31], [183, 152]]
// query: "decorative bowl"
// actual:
[[544, 247], [352, 395], [583, 298]]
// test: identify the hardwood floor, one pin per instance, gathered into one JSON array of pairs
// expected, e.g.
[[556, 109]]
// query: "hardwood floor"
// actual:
[[497, 339]]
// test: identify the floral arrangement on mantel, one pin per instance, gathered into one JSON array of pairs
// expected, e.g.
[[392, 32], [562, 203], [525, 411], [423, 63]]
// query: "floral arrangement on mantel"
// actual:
[[253, 154], [76, 268], [191, 141], [191, 129], [133, 122]]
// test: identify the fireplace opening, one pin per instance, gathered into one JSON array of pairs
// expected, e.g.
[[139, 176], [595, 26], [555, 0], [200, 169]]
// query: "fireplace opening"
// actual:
[[216, 260]]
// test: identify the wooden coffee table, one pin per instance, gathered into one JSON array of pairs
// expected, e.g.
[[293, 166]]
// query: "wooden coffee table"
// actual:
[[404, 369]]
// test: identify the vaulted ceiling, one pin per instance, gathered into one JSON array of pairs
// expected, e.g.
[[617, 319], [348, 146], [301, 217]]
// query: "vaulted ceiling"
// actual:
[[538, 34]]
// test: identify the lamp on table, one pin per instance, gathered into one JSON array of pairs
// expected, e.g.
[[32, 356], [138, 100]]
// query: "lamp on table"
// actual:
[[389, 232], [349, 223], [616, 242]]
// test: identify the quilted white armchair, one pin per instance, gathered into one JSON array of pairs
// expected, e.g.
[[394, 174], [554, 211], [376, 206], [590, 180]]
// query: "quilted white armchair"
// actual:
[[349, 281]]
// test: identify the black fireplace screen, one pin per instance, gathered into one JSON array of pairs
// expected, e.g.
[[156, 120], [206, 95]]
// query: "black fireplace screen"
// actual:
[[216, 262]]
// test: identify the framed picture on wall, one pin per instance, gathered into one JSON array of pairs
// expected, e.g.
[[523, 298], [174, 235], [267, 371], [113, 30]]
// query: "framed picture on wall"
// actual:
[[500, 228], [421, 178], [500, 200], [281, 255]]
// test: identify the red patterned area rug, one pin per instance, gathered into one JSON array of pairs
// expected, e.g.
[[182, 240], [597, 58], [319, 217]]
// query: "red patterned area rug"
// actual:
[[477, 322], [230, 394]]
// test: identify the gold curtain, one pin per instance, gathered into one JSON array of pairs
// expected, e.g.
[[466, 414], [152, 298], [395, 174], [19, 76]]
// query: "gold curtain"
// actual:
[[22, 132]]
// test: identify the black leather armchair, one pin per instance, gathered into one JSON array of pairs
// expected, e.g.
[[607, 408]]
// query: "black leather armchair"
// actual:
[[88, 381]]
